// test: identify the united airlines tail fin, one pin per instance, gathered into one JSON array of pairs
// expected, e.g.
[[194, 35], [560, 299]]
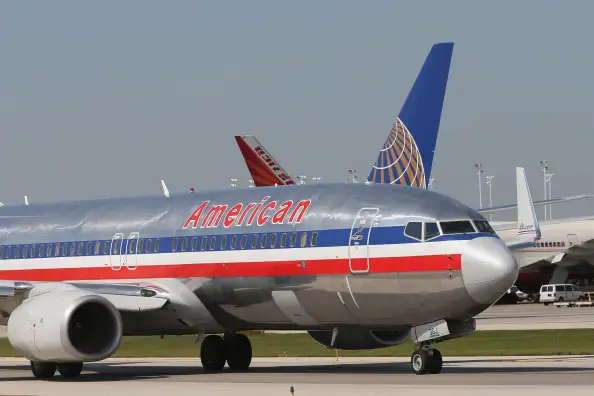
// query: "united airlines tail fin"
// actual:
[[407, 154], [528, 227], [264, 169]]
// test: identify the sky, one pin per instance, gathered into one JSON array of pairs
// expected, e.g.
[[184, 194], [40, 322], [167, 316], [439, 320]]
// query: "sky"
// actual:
[[107, 98]]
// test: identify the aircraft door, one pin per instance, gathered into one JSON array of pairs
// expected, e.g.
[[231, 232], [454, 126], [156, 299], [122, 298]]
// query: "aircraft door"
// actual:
[[131, 252], [359, 240], [572, 240], [115, 251]]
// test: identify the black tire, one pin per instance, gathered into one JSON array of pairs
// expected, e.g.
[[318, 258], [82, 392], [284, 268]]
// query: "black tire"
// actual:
[[239, 351], [70, 370], [530, 298], [419, 362], [435, 362], [43, 370], [561, 299], [212, 353]]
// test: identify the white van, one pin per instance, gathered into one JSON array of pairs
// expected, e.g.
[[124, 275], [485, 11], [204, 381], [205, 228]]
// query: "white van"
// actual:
[[560, 293]]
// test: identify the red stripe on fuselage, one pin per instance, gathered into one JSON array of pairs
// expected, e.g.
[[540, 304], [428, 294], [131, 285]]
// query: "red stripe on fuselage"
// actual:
[[270, 268]]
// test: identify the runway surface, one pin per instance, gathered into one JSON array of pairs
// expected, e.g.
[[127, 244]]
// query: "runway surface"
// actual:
[[312, 376], [535, 316]]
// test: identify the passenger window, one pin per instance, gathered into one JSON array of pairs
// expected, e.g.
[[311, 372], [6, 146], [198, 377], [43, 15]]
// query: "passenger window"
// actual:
[[184, 244], [72, 248], [283, 240], [174, 245], [157, 245], [293, 239], [131, 245], [303, 239], [116, 246], [80, 248], [32, 250], [213, 241], [203, 242], [65, 249], [314, 239], [223, 242], [254, 241], [25, 250], [89, 247], [8, 251], [41, 250], [243, 241], [140, 246], [97, 248], [149, 245], [431, 231], [273, 240], [414, 229], [49, 250], [194, 244], [1, 252], [457, 227], [106, 247], [233, 241], [263, 241]]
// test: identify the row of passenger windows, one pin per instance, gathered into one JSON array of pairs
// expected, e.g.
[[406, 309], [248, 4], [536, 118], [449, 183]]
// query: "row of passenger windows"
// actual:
[[550, 244], [424, 231], [232, 242], [144, 245]]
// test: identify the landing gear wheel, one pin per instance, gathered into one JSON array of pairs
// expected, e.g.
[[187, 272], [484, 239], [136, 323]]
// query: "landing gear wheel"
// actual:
[[212, 353], [419, 361], [43, 370], [239, 351], [435, 362], [70, 370]]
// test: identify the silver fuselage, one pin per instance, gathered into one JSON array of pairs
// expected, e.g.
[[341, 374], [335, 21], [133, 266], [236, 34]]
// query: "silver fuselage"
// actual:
[[351, 263]]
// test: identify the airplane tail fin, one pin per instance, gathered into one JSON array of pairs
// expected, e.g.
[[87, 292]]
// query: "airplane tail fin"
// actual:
[[405, 159], [528, 226], [264, 169]]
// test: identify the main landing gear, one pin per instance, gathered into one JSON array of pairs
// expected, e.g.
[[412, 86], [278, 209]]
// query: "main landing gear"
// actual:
[[234, 349], [426, 361], [45, 370]]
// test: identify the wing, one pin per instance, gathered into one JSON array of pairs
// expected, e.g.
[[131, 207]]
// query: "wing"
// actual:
[[504, 208]]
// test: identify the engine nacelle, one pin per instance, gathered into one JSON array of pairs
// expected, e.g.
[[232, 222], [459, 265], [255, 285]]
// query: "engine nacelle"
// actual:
[[360, 338], [64, 326]]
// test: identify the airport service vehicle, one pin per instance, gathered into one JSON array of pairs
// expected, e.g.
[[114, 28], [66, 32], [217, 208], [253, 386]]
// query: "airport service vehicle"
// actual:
[[560, 293], [349, 263]]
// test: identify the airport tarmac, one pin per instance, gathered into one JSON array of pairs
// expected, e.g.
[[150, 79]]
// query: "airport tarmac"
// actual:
[[312, 376], [535, 316]]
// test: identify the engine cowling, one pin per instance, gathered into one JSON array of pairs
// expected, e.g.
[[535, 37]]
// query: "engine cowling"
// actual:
[[360, 338], [64, 326]]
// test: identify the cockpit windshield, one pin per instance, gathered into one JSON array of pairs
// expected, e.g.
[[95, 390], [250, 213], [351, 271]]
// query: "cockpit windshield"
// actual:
[[484, 226], [457, 227]]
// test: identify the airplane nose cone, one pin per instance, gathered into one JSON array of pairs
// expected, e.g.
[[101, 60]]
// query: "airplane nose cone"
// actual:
[[488, 269]]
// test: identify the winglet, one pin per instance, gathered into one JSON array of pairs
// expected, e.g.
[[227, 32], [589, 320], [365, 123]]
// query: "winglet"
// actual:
[[165, 189], [528, 226]]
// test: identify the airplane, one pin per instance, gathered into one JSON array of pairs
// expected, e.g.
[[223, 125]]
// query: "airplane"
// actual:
[[349, 263], [407, 158]]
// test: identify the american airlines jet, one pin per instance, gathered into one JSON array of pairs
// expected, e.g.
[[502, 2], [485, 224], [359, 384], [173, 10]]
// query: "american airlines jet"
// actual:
[[407, 158]]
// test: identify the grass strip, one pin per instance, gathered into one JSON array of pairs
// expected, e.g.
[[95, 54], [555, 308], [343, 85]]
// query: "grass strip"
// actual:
[[481, 343]]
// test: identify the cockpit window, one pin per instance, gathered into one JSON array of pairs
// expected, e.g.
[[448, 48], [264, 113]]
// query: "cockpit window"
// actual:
[[457, 227], [484, 226], [431, 231], [414, 230]]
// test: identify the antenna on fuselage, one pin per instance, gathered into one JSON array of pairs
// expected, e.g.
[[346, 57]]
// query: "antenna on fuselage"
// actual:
[[165, 190], [26, 201]]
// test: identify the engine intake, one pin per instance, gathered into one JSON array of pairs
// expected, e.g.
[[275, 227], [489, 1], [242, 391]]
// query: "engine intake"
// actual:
[[357, 338], [66, 325]]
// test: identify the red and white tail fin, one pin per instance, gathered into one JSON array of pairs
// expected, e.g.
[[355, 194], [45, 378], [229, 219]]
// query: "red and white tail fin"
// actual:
[[265, 170]]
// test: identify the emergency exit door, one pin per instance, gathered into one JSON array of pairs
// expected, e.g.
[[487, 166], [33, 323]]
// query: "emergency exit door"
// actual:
[[359, 240]]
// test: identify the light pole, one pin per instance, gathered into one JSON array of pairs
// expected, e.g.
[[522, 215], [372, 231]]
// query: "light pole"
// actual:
[[251, 183], [490, 184], [545, 168], [233, 183], [479, 171], [549, 180], [353, 173], [430, 185], [301, 179], [316, 179]]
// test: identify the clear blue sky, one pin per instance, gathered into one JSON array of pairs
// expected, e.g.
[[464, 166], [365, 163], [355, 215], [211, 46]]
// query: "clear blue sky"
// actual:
[[107, 98]]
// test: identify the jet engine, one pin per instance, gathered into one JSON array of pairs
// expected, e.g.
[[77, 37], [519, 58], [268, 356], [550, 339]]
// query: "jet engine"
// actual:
[[360, 338], [69, 325]]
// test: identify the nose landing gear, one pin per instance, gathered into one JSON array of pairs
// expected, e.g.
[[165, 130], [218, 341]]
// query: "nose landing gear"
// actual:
[[426, 361]]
